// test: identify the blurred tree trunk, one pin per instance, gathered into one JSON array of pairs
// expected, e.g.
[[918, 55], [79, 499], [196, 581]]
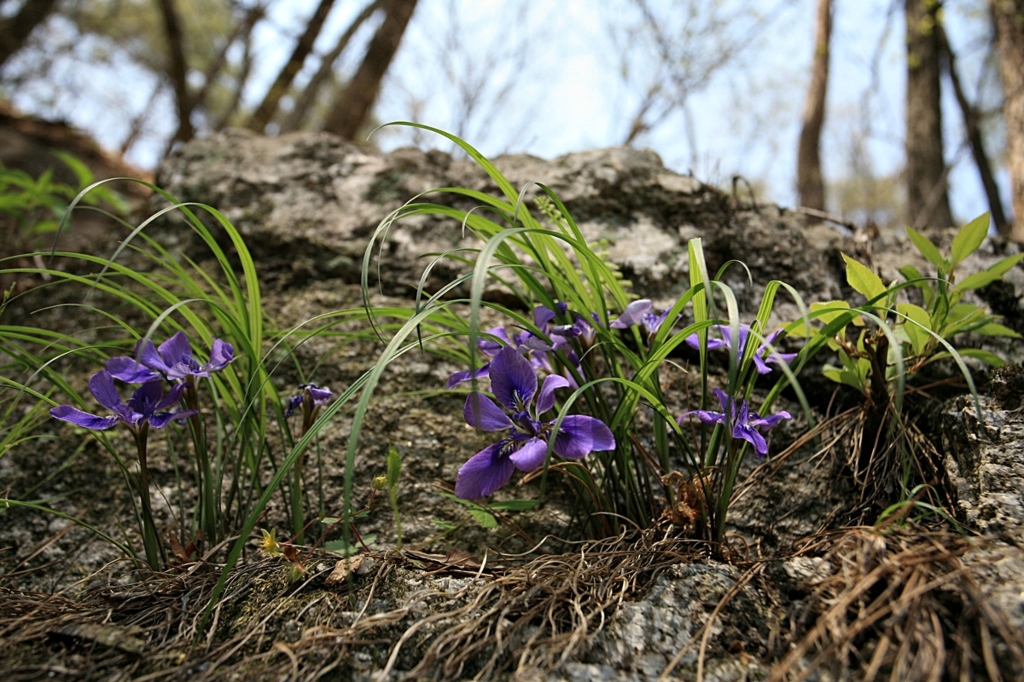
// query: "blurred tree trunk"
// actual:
[[14, 31], [177, 69], [268, 107], [970, 115], [305, 101], [808, 159], [352, 106], [925, 173], [1009, 22]]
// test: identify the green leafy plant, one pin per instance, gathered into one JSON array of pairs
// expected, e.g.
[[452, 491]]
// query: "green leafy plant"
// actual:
[[884, 345], [577, 379], [33, 207]]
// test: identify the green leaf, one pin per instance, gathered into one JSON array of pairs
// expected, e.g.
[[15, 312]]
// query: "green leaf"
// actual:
[[394, 461], [81, 171], [927, 248], [996, 329], [977, 281], [917, 335], [969, 238], [862, 279], [1003, 266], [484, 519]]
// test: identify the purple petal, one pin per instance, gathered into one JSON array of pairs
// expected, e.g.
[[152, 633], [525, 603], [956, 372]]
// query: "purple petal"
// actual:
[[760, 365], [534, 343], [66, 413], [530, 456], [484, 473], [176, 349], [513, 380], [652, 322], [101, 385], [543, 316], [632, 314], [172, 397], [293, 404], [752, 436], [726, 401], [161, 419], [146, 398], [461, 377], [546, 397], [709, 417], [580, 435], [481, 413], [742, 416], [771, 420], [147, 354], [779, 358], [130, 370], [319, 394], [221, 354], [491, 348]]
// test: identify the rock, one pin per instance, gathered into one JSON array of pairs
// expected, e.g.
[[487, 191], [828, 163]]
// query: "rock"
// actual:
[[985, 460]]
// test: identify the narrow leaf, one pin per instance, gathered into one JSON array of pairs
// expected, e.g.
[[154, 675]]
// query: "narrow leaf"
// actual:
[[862, 279], [926, 247], [996, 329], [969, 238]]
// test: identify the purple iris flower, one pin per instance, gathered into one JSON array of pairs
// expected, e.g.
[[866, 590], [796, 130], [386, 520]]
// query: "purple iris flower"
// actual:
[[533, 347], [759, 357], [173, 358], [514, 384], [640, 312], [315, 395], [148, 405], [745, 424]]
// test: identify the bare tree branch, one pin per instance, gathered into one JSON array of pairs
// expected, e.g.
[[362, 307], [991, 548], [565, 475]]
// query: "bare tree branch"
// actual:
[[15, 30], [1008, 17], [242, 80], [352, 106], [242, 30], [305, 101], [925, 169], [268, 107], [177, 69], [975, 138], [808, 159]]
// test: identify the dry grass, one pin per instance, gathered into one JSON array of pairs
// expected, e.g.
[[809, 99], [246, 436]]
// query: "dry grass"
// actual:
[[899, 606]]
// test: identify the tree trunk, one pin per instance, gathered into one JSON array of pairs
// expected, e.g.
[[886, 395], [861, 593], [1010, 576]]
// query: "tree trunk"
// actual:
[[268, 107], [14, 31], [925, 174], [304, 104], [1009, 21], [970, 114], [808, 159], [177, 70], [352, 107]]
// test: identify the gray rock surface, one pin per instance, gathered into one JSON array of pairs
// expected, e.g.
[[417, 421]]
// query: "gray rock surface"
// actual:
[[985, 460]]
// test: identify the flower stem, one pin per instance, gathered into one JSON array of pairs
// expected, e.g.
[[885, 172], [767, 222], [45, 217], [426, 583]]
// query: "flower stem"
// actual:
[[150, 539], [208, 509]]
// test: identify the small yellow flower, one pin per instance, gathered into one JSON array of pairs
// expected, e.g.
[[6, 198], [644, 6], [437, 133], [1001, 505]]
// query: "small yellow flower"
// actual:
[[269, 543], [380, 482]]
